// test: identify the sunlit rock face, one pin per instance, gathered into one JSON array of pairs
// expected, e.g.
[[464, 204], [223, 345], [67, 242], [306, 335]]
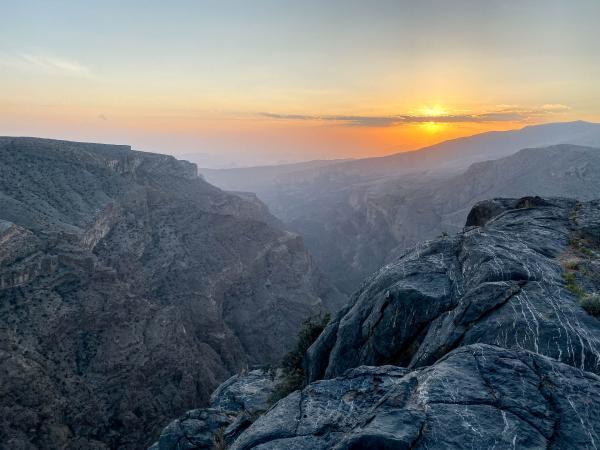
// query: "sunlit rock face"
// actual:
[[129, 289]]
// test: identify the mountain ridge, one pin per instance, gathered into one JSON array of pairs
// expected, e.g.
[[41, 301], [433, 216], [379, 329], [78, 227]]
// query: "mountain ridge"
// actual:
[[130, 288], [576, 132]]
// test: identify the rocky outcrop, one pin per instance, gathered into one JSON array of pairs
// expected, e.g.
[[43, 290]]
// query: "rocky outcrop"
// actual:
[[500, 284], [247, 393], [478, 340], [233, 407], [477, 396], [129, 289]]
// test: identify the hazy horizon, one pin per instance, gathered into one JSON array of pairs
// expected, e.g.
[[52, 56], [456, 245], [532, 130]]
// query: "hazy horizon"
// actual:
[[275, 82], [212, 161]]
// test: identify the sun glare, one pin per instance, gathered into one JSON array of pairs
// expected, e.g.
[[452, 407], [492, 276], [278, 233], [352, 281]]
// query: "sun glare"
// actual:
[[432, 127], [433, 111]]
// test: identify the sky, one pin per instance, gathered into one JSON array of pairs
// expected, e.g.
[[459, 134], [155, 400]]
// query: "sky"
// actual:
[[267, 81]]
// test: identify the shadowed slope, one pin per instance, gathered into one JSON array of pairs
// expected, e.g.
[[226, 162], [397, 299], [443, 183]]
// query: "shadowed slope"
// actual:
[[129, 289]]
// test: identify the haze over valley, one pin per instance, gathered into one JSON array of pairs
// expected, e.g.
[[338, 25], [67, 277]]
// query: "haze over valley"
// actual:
[[358, 215]]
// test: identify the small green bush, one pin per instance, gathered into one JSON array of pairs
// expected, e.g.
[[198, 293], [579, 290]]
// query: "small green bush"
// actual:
[[571, 284], [587, 252], [292, 364], [591, 303]]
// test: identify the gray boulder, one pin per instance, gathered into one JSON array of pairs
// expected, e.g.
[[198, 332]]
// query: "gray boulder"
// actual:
[[234, 405], [248, 392], [478, 396], [197, 429]]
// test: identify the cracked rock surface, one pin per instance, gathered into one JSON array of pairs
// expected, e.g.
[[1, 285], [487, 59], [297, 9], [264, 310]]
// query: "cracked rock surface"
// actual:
[[478, 396]]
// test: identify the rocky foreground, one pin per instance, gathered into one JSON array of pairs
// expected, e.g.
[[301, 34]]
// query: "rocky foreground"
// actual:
[[487, 339], [129, 289]]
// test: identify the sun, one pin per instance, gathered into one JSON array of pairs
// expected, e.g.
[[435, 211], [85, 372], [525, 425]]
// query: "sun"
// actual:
[[431, 127]]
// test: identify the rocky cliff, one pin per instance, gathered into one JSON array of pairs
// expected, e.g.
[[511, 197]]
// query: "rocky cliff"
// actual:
[[129, 289], [486, 339]]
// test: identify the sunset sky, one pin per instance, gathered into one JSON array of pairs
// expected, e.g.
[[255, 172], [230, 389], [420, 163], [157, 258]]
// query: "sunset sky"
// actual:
[[253, 82]]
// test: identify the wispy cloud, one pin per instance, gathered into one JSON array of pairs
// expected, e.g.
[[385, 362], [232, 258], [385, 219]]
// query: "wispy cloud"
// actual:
[[504, 114], [46, 64], [555, 107]]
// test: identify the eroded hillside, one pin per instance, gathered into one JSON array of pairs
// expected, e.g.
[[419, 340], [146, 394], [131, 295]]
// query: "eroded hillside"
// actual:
[[129, 288]]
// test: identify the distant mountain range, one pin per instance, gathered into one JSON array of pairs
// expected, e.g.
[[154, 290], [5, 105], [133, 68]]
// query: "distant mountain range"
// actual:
[[356, 215], [129, 289], [452, 155]]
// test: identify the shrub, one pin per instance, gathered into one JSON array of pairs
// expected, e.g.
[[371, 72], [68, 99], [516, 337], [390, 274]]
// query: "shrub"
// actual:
[[571, 284], [292, 364], [591, 303], [587, 252]]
